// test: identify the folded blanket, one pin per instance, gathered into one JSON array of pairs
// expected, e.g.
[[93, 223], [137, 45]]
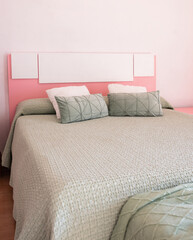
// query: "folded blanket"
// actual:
[[166, 214]]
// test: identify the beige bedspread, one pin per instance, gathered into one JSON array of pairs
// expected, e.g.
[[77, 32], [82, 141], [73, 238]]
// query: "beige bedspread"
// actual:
[[71, 180]]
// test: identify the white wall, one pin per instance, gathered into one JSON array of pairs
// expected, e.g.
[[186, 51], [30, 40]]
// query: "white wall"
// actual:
[[164, 27]]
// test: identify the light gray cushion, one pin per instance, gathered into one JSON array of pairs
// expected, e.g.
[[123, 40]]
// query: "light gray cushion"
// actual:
[[74, 109], [135, 104], [164, 102]]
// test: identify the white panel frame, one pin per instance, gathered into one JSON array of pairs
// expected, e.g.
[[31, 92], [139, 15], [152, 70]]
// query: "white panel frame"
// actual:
[[143, 65], [85, 67], [24, 65]]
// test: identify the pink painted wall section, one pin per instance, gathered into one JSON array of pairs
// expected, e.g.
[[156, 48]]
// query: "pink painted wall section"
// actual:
[[185, 110], [22, 89]]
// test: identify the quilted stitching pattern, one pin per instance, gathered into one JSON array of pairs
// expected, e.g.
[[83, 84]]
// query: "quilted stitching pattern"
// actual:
[[135, 104], [72, 179], [166, 214], [75, 109]]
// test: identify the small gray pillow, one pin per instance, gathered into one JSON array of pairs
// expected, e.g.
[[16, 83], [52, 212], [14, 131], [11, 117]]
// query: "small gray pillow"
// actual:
[[135, 104], [75, 109]]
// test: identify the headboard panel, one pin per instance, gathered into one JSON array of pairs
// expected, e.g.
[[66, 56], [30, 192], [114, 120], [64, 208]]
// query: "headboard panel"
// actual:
[[22, 89]]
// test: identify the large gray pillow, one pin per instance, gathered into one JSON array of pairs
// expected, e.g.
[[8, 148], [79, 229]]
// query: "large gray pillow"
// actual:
[[80, 108], [164, 102], [135, 104]]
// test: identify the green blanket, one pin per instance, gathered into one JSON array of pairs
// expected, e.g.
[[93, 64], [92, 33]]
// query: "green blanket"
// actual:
[[165, 214]]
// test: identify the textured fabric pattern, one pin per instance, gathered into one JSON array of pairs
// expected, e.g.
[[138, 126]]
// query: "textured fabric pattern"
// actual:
[[166, 214], [68, 91], [135, 104], [164, 103], [75, 109], [40, 106], [27, 107], [71, 180]]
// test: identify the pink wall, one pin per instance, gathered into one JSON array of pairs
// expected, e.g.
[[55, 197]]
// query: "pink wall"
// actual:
[[164, 27]]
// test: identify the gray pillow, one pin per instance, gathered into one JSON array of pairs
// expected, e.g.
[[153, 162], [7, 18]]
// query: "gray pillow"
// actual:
[[135, 104], [75, 109], [164, 102]]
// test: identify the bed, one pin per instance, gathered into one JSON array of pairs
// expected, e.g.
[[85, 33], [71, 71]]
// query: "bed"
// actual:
[[70, 181]]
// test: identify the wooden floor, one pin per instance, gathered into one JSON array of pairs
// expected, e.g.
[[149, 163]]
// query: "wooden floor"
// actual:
[[7, 223]]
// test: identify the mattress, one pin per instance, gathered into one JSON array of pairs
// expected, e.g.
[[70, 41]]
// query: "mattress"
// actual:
[[71, 180]]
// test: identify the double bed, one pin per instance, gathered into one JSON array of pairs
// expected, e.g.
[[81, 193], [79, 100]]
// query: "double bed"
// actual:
[[70, 181]]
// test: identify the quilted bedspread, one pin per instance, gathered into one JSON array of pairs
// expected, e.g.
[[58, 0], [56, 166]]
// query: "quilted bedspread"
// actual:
[[71, 180], [165, 214]]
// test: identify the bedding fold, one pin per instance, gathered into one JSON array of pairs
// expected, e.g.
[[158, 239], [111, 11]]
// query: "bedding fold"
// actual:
[[165, 214], [27, 107]]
